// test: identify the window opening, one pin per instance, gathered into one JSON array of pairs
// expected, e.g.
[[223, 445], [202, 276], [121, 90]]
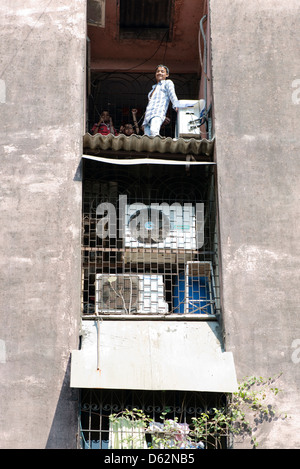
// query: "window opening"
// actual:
[[119, 93], [170, 413], [149, 241], [96, 12], [146, 19]]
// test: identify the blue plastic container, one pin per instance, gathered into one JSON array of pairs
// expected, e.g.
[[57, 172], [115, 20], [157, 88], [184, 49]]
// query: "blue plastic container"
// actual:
[[199, 295]]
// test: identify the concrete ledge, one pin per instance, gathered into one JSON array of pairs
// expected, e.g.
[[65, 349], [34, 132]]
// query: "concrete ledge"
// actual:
[[154, 356]]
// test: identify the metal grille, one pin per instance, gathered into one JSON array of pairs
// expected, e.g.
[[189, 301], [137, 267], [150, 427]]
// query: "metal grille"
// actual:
[[97, 432], [119, 93], [117, 293], [156, 260]]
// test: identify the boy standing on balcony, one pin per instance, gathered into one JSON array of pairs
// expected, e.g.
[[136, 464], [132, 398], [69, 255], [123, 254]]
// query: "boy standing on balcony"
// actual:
[[159, 98]]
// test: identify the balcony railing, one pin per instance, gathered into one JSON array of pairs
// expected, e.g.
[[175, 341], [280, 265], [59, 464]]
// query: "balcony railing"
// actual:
[[154, 254], [115, 419]]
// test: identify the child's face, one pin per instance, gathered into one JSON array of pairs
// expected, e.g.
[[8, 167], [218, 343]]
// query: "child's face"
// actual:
[[105, 116], [161, 74], [128, 129]]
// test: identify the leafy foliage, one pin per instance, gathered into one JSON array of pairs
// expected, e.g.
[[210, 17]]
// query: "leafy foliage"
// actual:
[[245, 409], [241, 415]]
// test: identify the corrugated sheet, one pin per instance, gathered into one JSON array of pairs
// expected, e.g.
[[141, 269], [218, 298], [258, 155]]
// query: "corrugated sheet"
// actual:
[[94, 144]]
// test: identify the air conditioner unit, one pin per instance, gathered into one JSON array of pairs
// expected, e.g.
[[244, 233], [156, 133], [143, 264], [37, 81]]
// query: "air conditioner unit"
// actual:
[[130, 294], [189, 118], [160, 225]]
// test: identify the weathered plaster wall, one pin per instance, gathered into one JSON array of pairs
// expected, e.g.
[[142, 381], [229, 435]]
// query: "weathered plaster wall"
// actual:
[[42, 52], [256, 80]]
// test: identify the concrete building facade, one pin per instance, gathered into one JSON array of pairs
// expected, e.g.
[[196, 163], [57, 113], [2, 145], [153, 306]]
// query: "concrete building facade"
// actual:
[[42, 70], [255, 82], [250, 76]]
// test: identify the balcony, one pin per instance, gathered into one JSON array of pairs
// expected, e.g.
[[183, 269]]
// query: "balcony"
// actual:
[[149, 241]]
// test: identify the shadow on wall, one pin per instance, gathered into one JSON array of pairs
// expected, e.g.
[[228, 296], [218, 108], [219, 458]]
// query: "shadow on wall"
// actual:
[[63, 432]]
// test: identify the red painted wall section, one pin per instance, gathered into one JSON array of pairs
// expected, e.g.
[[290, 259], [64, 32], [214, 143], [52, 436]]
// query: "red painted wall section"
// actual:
[[110, 53]]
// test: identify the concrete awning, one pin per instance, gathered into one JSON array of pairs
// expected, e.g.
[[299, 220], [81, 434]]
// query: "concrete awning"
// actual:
[[153, 355]]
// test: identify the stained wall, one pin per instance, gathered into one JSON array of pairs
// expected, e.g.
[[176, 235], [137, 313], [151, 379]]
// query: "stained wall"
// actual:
[[255, 68], [42, 51]]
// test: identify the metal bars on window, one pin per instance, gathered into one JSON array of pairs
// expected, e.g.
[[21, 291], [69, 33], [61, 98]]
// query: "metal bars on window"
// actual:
[[120, 93], [149, 241], [160, 420]]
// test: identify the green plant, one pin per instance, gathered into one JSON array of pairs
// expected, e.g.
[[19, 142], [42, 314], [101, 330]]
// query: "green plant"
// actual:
[[128, 429], [211, 427], [169, 433], [243, 412]]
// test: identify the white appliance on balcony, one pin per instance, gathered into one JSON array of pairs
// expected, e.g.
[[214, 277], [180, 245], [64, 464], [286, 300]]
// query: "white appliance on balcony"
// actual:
[[190, 118], [130, 294], [160, 226]]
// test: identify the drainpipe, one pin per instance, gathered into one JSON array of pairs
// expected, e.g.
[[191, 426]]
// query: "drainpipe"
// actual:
[[204, 65], [98, 345], [205, 55]]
